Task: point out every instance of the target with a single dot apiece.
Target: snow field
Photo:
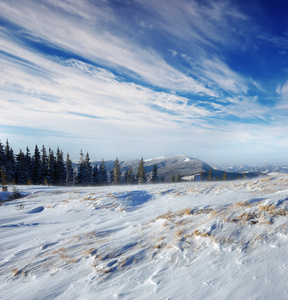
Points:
(204, 240)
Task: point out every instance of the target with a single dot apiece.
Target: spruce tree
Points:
(116, 172)
(44, 164)
(81, 170)
(60, 168)
(51, 173)
(36, 166)
(10, 163)
(88, 170)
(95, 174)
(69, 171)
(210, 174)
(141, 172)
(178, 179)
(28, 166)
(20, 168)
(2, 155)
(129, 176)
(154, 177)
(103, 178)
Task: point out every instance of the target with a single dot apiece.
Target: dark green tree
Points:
(88, 170)
(51, 168)
(95, 174)
(44, 164)
(154, 177)
(20, 168)
(28, 165)
(69, 171)
(130, 176)
(81, 169)
(36, 166)
(141, 172)
(116, 172)
(10, 163)
(210, 174)
(103, 178)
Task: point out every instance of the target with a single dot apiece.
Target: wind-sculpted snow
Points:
(217, 240)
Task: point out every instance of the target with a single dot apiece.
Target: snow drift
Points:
(204, 240)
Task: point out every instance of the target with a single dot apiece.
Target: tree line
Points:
(50, 168)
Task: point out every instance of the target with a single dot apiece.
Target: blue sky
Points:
(135, 78)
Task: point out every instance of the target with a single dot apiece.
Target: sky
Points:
(146, 78)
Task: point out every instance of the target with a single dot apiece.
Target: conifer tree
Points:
(95, 174)
(69, 171)
(154, 177)
(60, 168)
(81, 169)
(224, 176)
(116, 172)
(20, 168)
(88, 170)
(178, 179)
(141, 172)
(103, 178)
(44, 164)
(2, 155)
(36, 166)
(51, 172)
(210, 174)
(130, 176)
(28, 165)
(123, 177)
(10, 163)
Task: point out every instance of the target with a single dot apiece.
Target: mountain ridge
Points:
(181, 164)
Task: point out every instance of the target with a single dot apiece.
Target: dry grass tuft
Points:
(267, 208)
(241, 204)
(201, 233)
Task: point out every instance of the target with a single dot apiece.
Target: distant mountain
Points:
(177, 164)
(267, 168)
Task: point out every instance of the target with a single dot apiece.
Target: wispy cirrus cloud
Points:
(136, 71)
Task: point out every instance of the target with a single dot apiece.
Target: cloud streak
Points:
(166, 73)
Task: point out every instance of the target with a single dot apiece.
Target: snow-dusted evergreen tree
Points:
(95, 174)
(44, 164)
(110, 176)
(60, 168)
(178, 178)
(2, 155)
(69, 171)
(81, 169)
(10, 163)
(88, 170)
(123, 177)
(103, 176)
(51, 173)
(210, 174)
(154, 177)
(116, 172)
(36, 166)
(20, 168)
(28, 166)
(141, 172)
(130, 177)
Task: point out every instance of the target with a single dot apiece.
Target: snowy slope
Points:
(217, 240)
(172, 165)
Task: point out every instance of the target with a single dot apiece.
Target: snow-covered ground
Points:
(217, 240)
